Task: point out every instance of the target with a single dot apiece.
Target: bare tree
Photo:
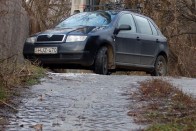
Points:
(177, 20)
(46, 13)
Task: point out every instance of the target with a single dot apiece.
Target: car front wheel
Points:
(101, 61)
(160, 67)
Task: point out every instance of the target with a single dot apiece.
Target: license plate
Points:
(46, 50)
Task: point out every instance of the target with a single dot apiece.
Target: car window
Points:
(143, 25)
(154, 30)
(127, 19)
(99, 18)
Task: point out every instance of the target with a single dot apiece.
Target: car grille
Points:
(50, 38)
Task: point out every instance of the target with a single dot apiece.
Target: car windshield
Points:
(99, 18)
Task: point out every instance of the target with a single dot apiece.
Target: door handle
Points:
(138, 38)
(157, 40)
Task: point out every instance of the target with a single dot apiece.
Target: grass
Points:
(13, 75)
(3, 93)
(35, 73)
(166, 107)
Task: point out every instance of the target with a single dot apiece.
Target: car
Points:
(102, 41)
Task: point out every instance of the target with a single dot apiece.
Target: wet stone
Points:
(77, 102)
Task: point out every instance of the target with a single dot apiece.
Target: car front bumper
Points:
(68, 53)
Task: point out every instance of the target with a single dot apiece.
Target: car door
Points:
(149, 41)
(127, 44)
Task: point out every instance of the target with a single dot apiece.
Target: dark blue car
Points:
(103, 41)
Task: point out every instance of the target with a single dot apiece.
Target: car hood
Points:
(83, 30)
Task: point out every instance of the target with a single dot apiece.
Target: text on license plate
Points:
(46, 50)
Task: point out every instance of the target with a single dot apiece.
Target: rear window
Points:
(144, 25)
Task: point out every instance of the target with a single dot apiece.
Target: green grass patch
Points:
(3, 93)
(34, 76)
(167, 108)
(13, 74)
(173, 127)
(165, 127)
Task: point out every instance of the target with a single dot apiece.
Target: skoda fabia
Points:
(102, 41)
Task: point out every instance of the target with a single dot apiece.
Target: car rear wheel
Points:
(160, 67)
(101, 61)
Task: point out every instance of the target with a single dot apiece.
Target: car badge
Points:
(49, 35)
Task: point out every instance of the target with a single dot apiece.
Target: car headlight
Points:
(75, 38)
(31, 40)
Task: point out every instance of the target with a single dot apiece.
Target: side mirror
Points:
(76, 12)
(122, 27)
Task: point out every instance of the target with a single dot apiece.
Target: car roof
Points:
(116, 12)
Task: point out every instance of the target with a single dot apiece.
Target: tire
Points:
(160, 68)
(101, 62)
